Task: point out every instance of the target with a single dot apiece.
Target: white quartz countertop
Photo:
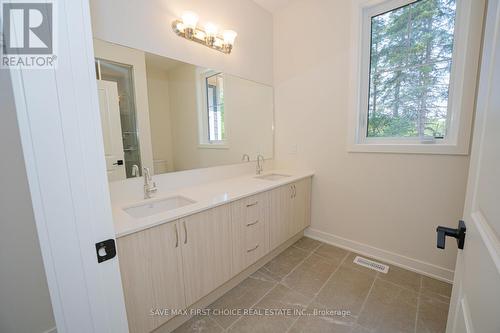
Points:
(206, 196)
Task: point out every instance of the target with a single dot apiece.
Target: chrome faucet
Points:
(245, 158)
(260, 168)
(149, 184)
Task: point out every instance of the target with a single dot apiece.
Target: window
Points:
(410, 65)
(212, 118)
(413, 61)
(215, 107)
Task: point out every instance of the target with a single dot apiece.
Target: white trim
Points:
(464, 304)
(52, 330)
(415, 265)
(431, 149)
(213, 145)
(462, 83)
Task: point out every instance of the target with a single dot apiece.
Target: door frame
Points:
(61, 136)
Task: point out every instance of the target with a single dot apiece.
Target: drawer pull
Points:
(185, 232)
(252, 204)
(176, 236)
(252, 223)
(254, 248)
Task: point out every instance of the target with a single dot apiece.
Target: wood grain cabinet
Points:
(280, 214)
(300, 206)
(290, 210)
(206, 251)
(250, 227)
(152, 277)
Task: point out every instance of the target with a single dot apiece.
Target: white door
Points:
(58, 117)
(111, 129)
(475, 302)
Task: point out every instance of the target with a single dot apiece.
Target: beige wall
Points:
(392, 202)
(159, 116)
(250, 118)
(24, 296)
(146, 25)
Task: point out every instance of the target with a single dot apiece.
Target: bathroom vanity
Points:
(173, 258)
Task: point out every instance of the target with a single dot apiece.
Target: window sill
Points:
(421, 148)
(213, 146)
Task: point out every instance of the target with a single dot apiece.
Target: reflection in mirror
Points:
(115, 84)
(170, 116)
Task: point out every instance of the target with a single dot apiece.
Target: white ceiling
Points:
(272, 5)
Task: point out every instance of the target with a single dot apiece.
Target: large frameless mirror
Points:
(170, 116)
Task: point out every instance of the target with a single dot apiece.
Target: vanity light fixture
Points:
(209, 36)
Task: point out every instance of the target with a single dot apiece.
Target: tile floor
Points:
(311, 278)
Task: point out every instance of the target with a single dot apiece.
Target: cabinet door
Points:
(250, 227)
(280, 214)
(301, 206)
(151, 270)
(206, 251)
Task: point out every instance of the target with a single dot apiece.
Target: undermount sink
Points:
(158, 206)
(273, 176)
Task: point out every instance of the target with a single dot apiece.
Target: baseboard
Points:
(411, 264)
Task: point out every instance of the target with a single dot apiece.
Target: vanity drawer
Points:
(250, 218)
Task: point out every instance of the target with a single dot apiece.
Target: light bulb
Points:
(211, 29)
(229, 37)
(189, 20)
(180, 26)
(210, 33)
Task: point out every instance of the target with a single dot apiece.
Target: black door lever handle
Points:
(458, 233)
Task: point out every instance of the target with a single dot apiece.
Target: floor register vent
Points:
(371, 264)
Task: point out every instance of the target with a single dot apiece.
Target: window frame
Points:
(204, 141)
(468, 30)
